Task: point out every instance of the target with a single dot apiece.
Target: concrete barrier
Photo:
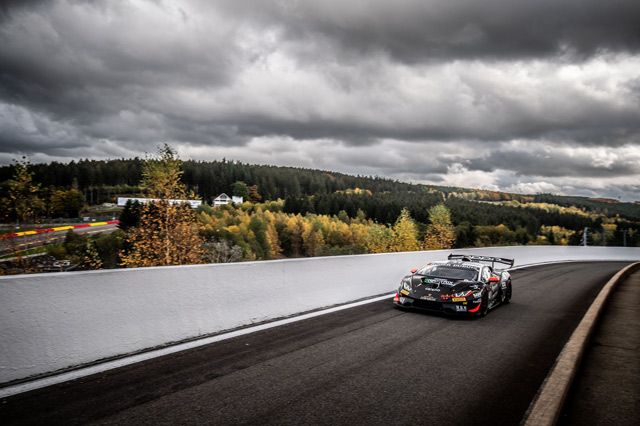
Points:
(56, 322)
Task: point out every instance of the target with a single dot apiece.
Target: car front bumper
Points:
(437, 305)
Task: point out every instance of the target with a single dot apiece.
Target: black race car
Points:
(465, 284)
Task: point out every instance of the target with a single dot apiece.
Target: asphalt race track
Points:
(369, 365)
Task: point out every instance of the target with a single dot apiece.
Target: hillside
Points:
(480, 217)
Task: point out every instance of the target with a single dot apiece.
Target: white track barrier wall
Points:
(58, 321)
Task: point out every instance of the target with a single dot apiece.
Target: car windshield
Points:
(450, 272)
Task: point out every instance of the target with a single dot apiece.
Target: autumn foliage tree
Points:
(167, 231)
(405, 233)
(22, 203)
(67, 203)
(440, 233)
(379, 239)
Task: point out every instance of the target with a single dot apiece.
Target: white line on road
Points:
(128, 360)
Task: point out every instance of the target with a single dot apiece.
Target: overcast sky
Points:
(520, 96)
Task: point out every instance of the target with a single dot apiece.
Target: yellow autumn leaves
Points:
(167, 233)
(174, 234)
(318, 235)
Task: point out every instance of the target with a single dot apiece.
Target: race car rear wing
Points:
(474, 258)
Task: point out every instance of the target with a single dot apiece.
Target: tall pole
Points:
(584, 236)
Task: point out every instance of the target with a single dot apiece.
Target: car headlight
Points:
(463, 293)
(406, 285)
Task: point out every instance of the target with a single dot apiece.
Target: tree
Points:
(222, 252)
(167, 233)
(405, 233)
(261, 248)
(440, 233)
(240, 189)
(254, 196)
(22, 203)
(161, 176)
(67, 203)
(312, 237)
(130, 215)
(379, 239)
(465, 235)
(91, 259)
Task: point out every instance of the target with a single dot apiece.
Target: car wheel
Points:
(484, 308)
(507, 293)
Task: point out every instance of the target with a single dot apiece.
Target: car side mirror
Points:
(494, 279)
(413, 271)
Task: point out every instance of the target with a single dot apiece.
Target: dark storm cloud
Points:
(417, 30)
(7, 7)
(102, 59)
(411, 88)
(80, 53)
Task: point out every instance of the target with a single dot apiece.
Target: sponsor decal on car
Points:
(477, 295)
(464, 265)
(438, 281)
(458, 299)
(405, 292)
(460, 308)
(429, 298)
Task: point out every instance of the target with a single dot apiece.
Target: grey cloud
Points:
(96, 68)
(552, 163)
(416, 30)
(63, 58)
(446, 81)
(9, 7)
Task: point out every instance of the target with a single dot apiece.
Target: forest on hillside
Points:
(290, 212)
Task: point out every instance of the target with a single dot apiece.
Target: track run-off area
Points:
(373, 364)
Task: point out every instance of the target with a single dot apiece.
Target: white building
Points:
(225, 199)
(193, 203)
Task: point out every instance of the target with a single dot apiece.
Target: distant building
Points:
(223, 199)
(193, 203)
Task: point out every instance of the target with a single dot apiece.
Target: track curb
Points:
(60, 228)
(546, 407)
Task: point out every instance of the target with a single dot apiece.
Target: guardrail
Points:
(57, 322)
